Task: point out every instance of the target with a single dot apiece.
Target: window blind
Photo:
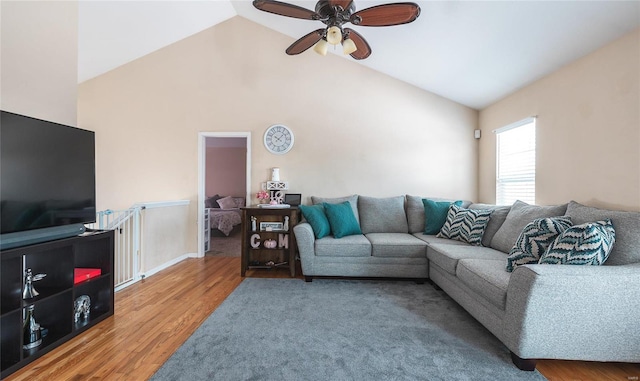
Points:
(516, 162)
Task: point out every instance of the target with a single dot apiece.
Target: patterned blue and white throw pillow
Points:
(466, 225)
(534, 240)
(586, 244)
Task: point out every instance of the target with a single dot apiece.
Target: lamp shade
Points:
(321, 47)
(348, 46)
(334, 35)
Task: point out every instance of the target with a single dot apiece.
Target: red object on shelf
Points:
(81, 274)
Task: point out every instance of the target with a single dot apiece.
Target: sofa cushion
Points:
(315, 216)
(415, 211)
(534, 240)
(498, 216)
(586, 244)
(350, 246)
(382, 215)
(627, 226)
(341, 219)
(431, 239)
(465, 225)
(396, 245)
(486, 277)
(435, 214)
(519, 216)
(447, 256)
(353, 200)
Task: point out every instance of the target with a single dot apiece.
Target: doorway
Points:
(216, 153)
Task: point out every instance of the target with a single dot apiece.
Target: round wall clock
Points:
(278, 139)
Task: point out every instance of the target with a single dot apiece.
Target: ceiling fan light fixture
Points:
(348, 46)
(334, 35)
(321, 47)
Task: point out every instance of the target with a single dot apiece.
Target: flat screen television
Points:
(47, 180)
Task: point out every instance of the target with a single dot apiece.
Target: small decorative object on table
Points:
(293, 199)
(31, 334)
(253, 223)
(30, 292)
(262, 196)
(271, 226)
(275, 174)
(270, 244)
(82, 306)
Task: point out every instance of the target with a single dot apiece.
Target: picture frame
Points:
(293, 199)
(271, 226)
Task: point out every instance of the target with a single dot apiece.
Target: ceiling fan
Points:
(334, 14)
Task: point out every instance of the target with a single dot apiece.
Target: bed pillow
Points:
(316, 217)
(435, 214)
(239, 201)
(586, 244)
(227, 203)
(341, 219)
(535, 239)
(466, 225)
(211, 202)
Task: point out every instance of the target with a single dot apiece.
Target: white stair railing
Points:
(127, 233)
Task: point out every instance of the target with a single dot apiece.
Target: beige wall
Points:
(165, 235)
(588, 130)
(356, 130)
(39, 59)
(225, 171)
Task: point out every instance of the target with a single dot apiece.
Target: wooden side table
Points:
(262, 227)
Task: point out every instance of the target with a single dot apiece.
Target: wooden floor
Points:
(155, 316)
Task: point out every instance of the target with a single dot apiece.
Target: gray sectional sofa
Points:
(538, 311)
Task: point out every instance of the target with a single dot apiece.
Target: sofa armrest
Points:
(306, 246)
(574, 312)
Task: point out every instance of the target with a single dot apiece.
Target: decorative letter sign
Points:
(283, 240)
(255, 241)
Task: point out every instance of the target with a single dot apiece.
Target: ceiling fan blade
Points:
(386, 15)
(305, 42)
(345, 4)
(364, 50)
(285, 9)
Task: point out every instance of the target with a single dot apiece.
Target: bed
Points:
(227, 215)
(224, 219)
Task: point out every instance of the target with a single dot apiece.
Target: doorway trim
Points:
(202, 156)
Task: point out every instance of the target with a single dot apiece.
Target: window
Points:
(516, 162)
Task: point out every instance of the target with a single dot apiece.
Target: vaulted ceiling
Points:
(472, 52)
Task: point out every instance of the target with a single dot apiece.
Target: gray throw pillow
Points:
(382, 215)
(518, 217)
(495, 222)
(627, 226)
(353, 200)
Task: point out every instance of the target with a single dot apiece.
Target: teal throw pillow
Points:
(435, 214)
(341, 219)
(585, 244)
(315, 216)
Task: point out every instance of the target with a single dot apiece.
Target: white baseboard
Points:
(156, 269)
(168, 264)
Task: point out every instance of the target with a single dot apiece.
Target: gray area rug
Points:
(287, 329)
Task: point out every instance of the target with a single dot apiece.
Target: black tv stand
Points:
(54, 306)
